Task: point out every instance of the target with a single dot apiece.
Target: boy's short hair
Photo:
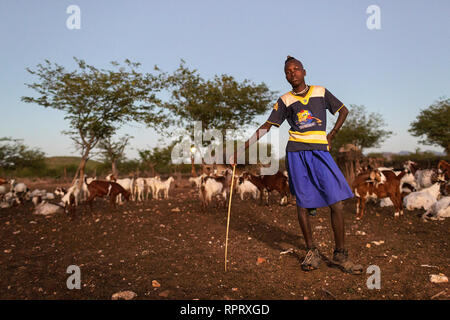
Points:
(289, 58)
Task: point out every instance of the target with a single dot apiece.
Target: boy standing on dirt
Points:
(314, 177)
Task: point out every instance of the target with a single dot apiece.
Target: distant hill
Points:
(61, 162)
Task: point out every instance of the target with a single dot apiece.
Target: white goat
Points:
(424, 178)
(45, 208)
(423, 198)
(40, 193)
(151, 186)
(408, 178)
(439, 210)
(197, 181)
(245, 186)
(163, 186)
(213, 186)
(72, 191)
(127, 184)
(9, 200)
(19, 189)
(139, 188)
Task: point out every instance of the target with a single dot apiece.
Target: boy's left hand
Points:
(330, 137)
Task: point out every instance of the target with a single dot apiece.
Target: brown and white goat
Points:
(98, 188)
(268, 183)
(378, 184)
(424, 177)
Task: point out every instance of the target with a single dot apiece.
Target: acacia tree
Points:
(96, 102)
(221, 103)
(433, 125)
(362, 129)
(113, 151)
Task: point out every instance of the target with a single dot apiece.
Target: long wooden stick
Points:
(228, 220)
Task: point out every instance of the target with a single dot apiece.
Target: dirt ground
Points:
(171, 249)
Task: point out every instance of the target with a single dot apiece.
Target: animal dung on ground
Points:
(124, 295)
(438, 278)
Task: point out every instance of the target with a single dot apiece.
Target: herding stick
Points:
(228, 220)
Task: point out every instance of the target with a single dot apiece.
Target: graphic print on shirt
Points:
(305, 119)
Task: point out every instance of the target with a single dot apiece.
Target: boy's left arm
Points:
(343, 112)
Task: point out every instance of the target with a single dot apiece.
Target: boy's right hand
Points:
(233, 159)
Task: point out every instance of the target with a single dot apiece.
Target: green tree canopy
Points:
(432, 125)
(157, 159)
(96, 102)
(219, 103)
(362, 129)
(14, 155)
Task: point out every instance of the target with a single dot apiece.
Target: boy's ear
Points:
(304, 72)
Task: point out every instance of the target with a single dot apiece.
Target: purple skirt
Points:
(315, 179)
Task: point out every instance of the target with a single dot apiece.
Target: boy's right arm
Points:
(260, 132)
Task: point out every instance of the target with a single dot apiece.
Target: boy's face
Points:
(295, 74)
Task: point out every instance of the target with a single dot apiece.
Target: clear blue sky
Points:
(396, 71)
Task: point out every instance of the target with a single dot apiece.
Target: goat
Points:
(139, 188)
(60, 192)
(424, 177)
(72, 196)
(197, 180)
(13, 201)
(151, 185)
(213, 186)
(127, 184)
(42, 193)
(438, 210)
(45, 208)
(378, 184)
(98, 188)
(268, 183)
(163, 186)
(245, 186)
(423, 198)
(19, 189)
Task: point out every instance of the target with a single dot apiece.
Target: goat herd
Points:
(409, 187)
